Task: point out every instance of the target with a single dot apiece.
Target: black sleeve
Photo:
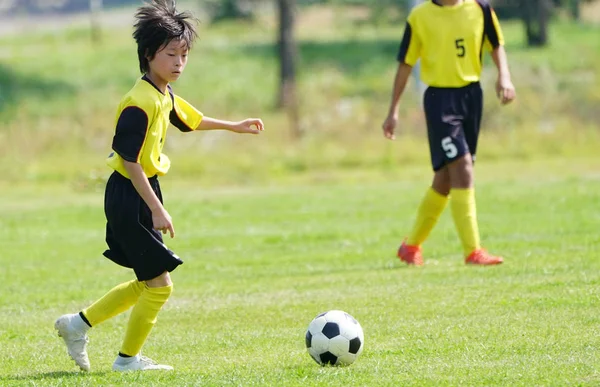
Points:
(489, 28)
(130, 133)
(174, 118)
(405, 43)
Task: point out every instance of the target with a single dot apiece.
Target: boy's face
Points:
(169, 61)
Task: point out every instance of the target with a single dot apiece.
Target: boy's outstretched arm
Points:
(249, 125)
(505, 90)
(402, 75)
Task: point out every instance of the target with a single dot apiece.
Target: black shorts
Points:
(132, 241)
(453, 120)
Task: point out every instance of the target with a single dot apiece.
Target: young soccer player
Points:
(133, 201)
(449, 37)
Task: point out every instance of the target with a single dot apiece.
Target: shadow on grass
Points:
(351, 56)
(50, 375)
(16, 87)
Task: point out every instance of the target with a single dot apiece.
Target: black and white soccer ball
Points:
(334, 338)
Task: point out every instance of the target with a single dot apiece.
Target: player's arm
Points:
(130, 134)
(402, 74)
(187, 118)
(505, 89)
(249, 125)
(161, 220)
(408, 54)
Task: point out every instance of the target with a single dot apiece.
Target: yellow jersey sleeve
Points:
(184, 116)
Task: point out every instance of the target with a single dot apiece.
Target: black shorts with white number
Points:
(453, 120)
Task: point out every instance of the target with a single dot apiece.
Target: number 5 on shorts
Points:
(449, 147)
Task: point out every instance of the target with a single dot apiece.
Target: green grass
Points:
(262, 260)
(274, 231)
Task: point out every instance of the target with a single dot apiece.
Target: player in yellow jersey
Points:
(449, 36)
(133, 201)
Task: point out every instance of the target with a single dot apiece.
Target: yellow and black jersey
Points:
(142, 120)
(450, 40)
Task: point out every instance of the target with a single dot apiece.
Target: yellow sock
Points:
(464, 212)
(432, 206)
(116, 301)
(143, 317)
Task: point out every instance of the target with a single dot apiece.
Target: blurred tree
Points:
(229, 9)
(506, 9)
(288, 53)
(574, 6)
(536, 14)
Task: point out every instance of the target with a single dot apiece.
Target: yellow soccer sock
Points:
(143, 317)
(464, 212)
(116, 301)
(432, 206)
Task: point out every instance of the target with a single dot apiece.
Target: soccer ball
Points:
(334, 338)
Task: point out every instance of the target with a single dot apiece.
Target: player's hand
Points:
(249, 125)
(161, 221)
(389, 125)
(505, 90)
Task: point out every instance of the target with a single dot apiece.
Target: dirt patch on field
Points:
(591, 12)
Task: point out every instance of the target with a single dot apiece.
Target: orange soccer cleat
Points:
(410, 254)
(482, 257)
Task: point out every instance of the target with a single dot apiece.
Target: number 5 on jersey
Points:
(460, 47)
(449, 147)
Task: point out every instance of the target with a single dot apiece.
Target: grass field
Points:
(261, 261)
(274, 231)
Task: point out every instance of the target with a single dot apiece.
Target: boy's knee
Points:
(441, 182)
(161, 281)
(461, 172)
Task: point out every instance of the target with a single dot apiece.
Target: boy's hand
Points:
(389, 125)
(161, 221)
(505, 90)
(249, 125)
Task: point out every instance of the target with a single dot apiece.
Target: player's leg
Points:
(116, 301)
(441, 181)
(462, 192)
(119, 223)
(121, 297)
(431, 207)
(73, 327)
(143, 317)
(436, 197)
(464, 213)
(152, 267)
(462, 202)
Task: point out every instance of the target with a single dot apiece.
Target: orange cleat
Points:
(410, 254)
(482, 257)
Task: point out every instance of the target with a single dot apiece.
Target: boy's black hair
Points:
(157, 24)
